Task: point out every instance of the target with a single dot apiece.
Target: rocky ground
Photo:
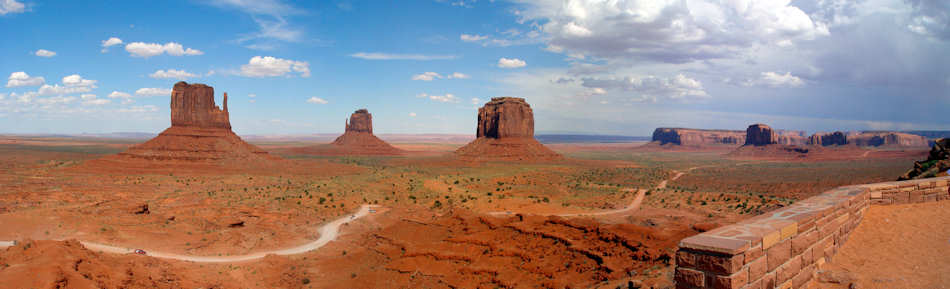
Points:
(433, 219)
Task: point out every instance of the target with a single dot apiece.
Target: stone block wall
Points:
(785, 247)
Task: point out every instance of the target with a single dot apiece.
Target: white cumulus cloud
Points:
(11, 6)
(448, 97)
(152, 91)
(44, 53)
(146, 50)
(267, 66)
(75, 80)
(511, 63)
(412, 114)
(316, 100)
(773, 79)
(171, 73)
(472, 38)
(119, 94)
(20, 78)
(110, 42)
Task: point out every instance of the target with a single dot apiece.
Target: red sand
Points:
(898, 246)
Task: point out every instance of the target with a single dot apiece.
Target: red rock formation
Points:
(358, 138)
(790, 137)
(506, 131)
(193, 105)
(759, 135)
(895, 139)
(360, 121)
(200, 131)
(828, 139)
(697, 137)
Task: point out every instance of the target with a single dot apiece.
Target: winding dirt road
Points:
(633, 206)
(328, 232)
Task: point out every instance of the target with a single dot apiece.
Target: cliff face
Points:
(937, 163)
(505, 117)
(200, 131)
(357, 139)
(506, 132)
(697, 137)
(887, 139)
(192, 105)
(360, 121)
(760, 135)
(828, 139)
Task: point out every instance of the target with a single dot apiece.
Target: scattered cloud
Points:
(139, 109)
(648, 88)
(271, 19)
(20, 78)
(671, 31)
(316, 100)
(773, 79)
(119, 94)
(430, 76)
(268, 66)
(476, 101)
(472, 38)
(426, 76)
(930, 18)
(91, 99)
(151, 91)
(412, 114)
(110, 42)
(448, 97)
(174, 74)
(396, 56)
(11, 6)
(146, 50)
(75, 80)
(45, 53)
(458, 75)
(511, 63)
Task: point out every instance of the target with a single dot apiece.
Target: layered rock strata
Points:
(358, 137)
(697, 137)
(200, 131)
(506, 132)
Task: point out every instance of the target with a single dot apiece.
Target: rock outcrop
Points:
(697, 137)
(760, 135)
(828, 139)
(937, 163)
(358, 138)
(360, 121)
(893, 139)
(193, 106)
(506, 132)
(200, 131)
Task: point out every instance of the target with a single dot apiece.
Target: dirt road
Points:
(328, 232)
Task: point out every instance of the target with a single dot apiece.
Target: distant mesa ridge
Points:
(765, 135)
(506, 132)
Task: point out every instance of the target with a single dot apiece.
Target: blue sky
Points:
(609, 67)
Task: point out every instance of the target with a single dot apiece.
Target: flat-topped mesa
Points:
(360, 121)
(828, 139)
(887, 138)
(193, 105)
(504, 117)
(697, 137)
(760, 135)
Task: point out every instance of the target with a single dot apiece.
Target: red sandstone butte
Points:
(759, 135)
(828, 139)
(200, 131)
(506, 132)
(358, 137)
(888, 139)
